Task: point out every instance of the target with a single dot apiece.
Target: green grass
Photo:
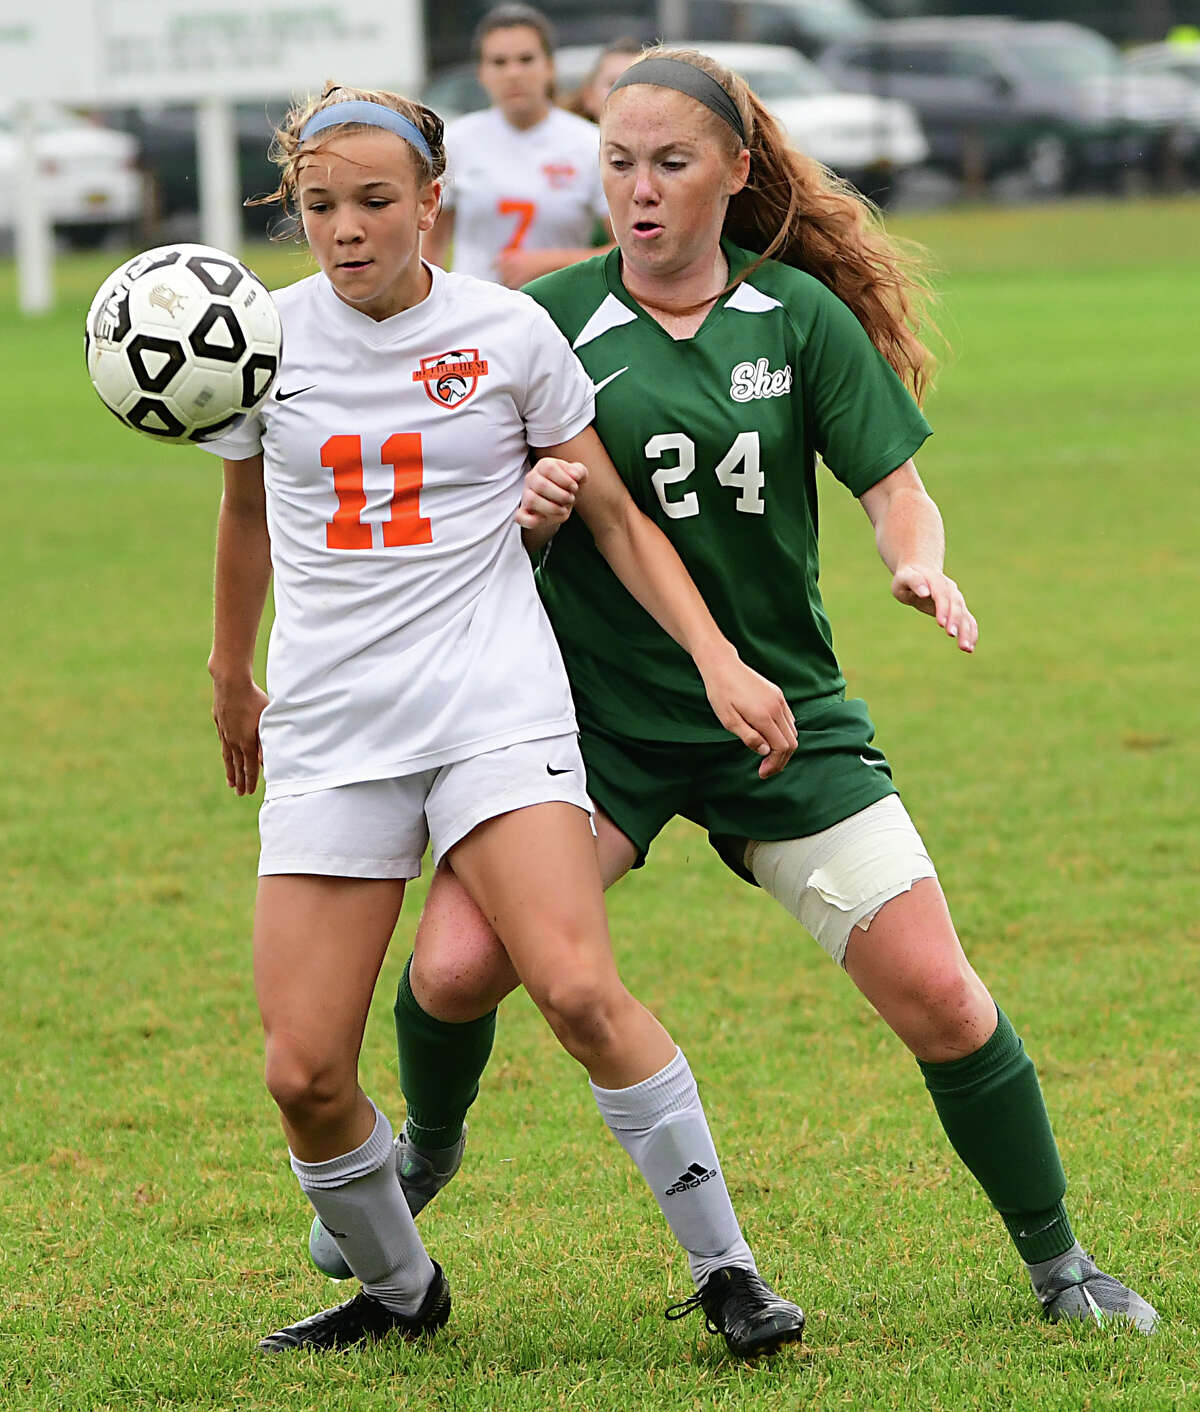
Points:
(149, 1228)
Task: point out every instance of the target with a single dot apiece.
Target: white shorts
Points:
(379, 828)
(838, 879)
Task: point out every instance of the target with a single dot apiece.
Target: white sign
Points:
(181, 51)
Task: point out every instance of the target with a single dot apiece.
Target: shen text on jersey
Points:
(749, 381)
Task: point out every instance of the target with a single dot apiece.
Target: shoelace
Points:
(685, 1307)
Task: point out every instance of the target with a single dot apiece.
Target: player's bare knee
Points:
(585, 1012)
(454, 991)
(307, 1087)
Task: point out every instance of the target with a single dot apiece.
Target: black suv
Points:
(998, 95)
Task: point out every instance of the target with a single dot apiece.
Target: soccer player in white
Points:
(523, 193)
(416, 692)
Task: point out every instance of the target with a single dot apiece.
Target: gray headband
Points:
(685, 78)
(359, 110)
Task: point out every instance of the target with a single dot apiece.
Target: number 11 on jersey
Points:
(405, 524)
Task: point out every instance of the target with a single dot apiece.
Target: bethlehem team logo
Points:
(559, 175)
(450, 378)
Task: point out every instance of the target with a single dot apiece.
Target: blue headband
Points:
(370, 115)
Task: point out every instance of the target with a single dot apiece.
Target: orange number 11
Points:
(406, 525)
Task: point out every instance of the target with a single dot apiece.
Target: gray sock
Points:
(360, 1203)
(661, 1124)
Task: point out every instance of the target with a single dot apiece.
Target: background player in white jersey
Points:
(417, 694)
(522, 193)
(610, 64)
(721, 376)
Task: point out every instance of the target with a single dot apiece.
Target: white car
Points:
(91, 183)
(862, 137)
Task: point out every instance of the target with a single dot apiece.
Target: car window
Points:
(871, 58)
(923, 60)
(784, 80)
(456, 92)
(968, 63)
(1089, 56)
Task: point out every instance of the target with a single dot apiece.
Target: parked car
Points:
(89, 174)
(866, 139)
(807, 25)
(997, 95)
(167, 135)
(1176, 59)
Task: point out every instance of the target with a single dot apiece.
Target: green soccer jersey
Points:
(717, 438)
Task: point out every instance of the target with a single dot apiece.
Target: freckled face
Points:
(667, 178)
(364, 207)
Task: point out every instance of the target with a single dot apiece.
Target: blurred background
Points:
(920, 103)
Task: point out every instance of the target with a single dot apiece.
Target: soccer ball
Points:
(182, 342)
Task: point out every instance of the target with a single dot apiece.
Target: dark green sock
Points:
(991, 1107)
(440, 1067)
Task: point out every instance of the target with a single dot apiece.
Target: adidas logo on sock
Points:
(690, 1179)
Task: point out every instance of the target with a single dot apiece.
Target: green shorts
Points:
(642, 784)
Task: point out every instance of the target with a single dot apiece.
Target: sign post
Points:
(216, 154)
(33, 233)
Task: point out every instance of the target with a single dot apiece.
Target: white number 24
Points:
(740, 468)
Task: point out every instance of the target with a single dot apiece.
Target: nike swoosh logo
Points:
(599, 386)
(865, 761)
(281, 396)
(550, 770)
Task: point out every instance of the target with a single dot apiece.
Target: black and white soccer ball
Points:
(183, 342)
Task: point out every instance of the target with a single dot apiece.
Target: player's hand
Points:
(517, 267)
(930, 591)
(549, 494)
(753, 708)
(236, 710)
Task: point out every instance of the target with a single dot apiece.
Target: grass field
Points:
(149, 1228)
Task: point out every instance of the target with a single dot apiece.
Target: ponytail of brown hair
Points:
(794, 210)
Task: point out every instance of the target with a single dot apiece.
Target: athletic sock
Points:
(661, 1124)
(440, 1067)
(360, 1203)
(991, 1107)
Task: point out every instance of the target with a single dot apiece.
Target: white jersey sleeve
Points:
(408, 632)
(560, 400)
(241, 443)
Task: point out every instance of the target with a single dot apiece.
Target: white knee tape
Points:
(838, 879)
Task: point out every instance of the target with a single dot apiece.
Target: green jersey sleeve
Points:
(861, 419)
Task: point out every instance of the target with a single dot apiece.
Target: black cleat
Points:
(743, 1307)
(364, 1319)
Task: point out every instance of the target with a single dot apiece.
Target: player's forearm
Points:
(645, 561)
(909, 531)
(240, 583)
(535, 540)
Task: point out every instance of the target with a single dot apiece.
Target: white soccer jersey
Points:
(537, 188)
(408, 632)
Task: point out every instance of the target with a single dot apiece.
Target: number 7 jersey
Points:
(408, 632)
(717, 438)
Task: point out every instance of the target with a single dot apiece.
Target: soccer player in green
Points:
(720, 377)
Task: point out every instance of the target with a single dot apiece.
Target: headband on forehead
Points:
(358, 110)
(685, 78)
